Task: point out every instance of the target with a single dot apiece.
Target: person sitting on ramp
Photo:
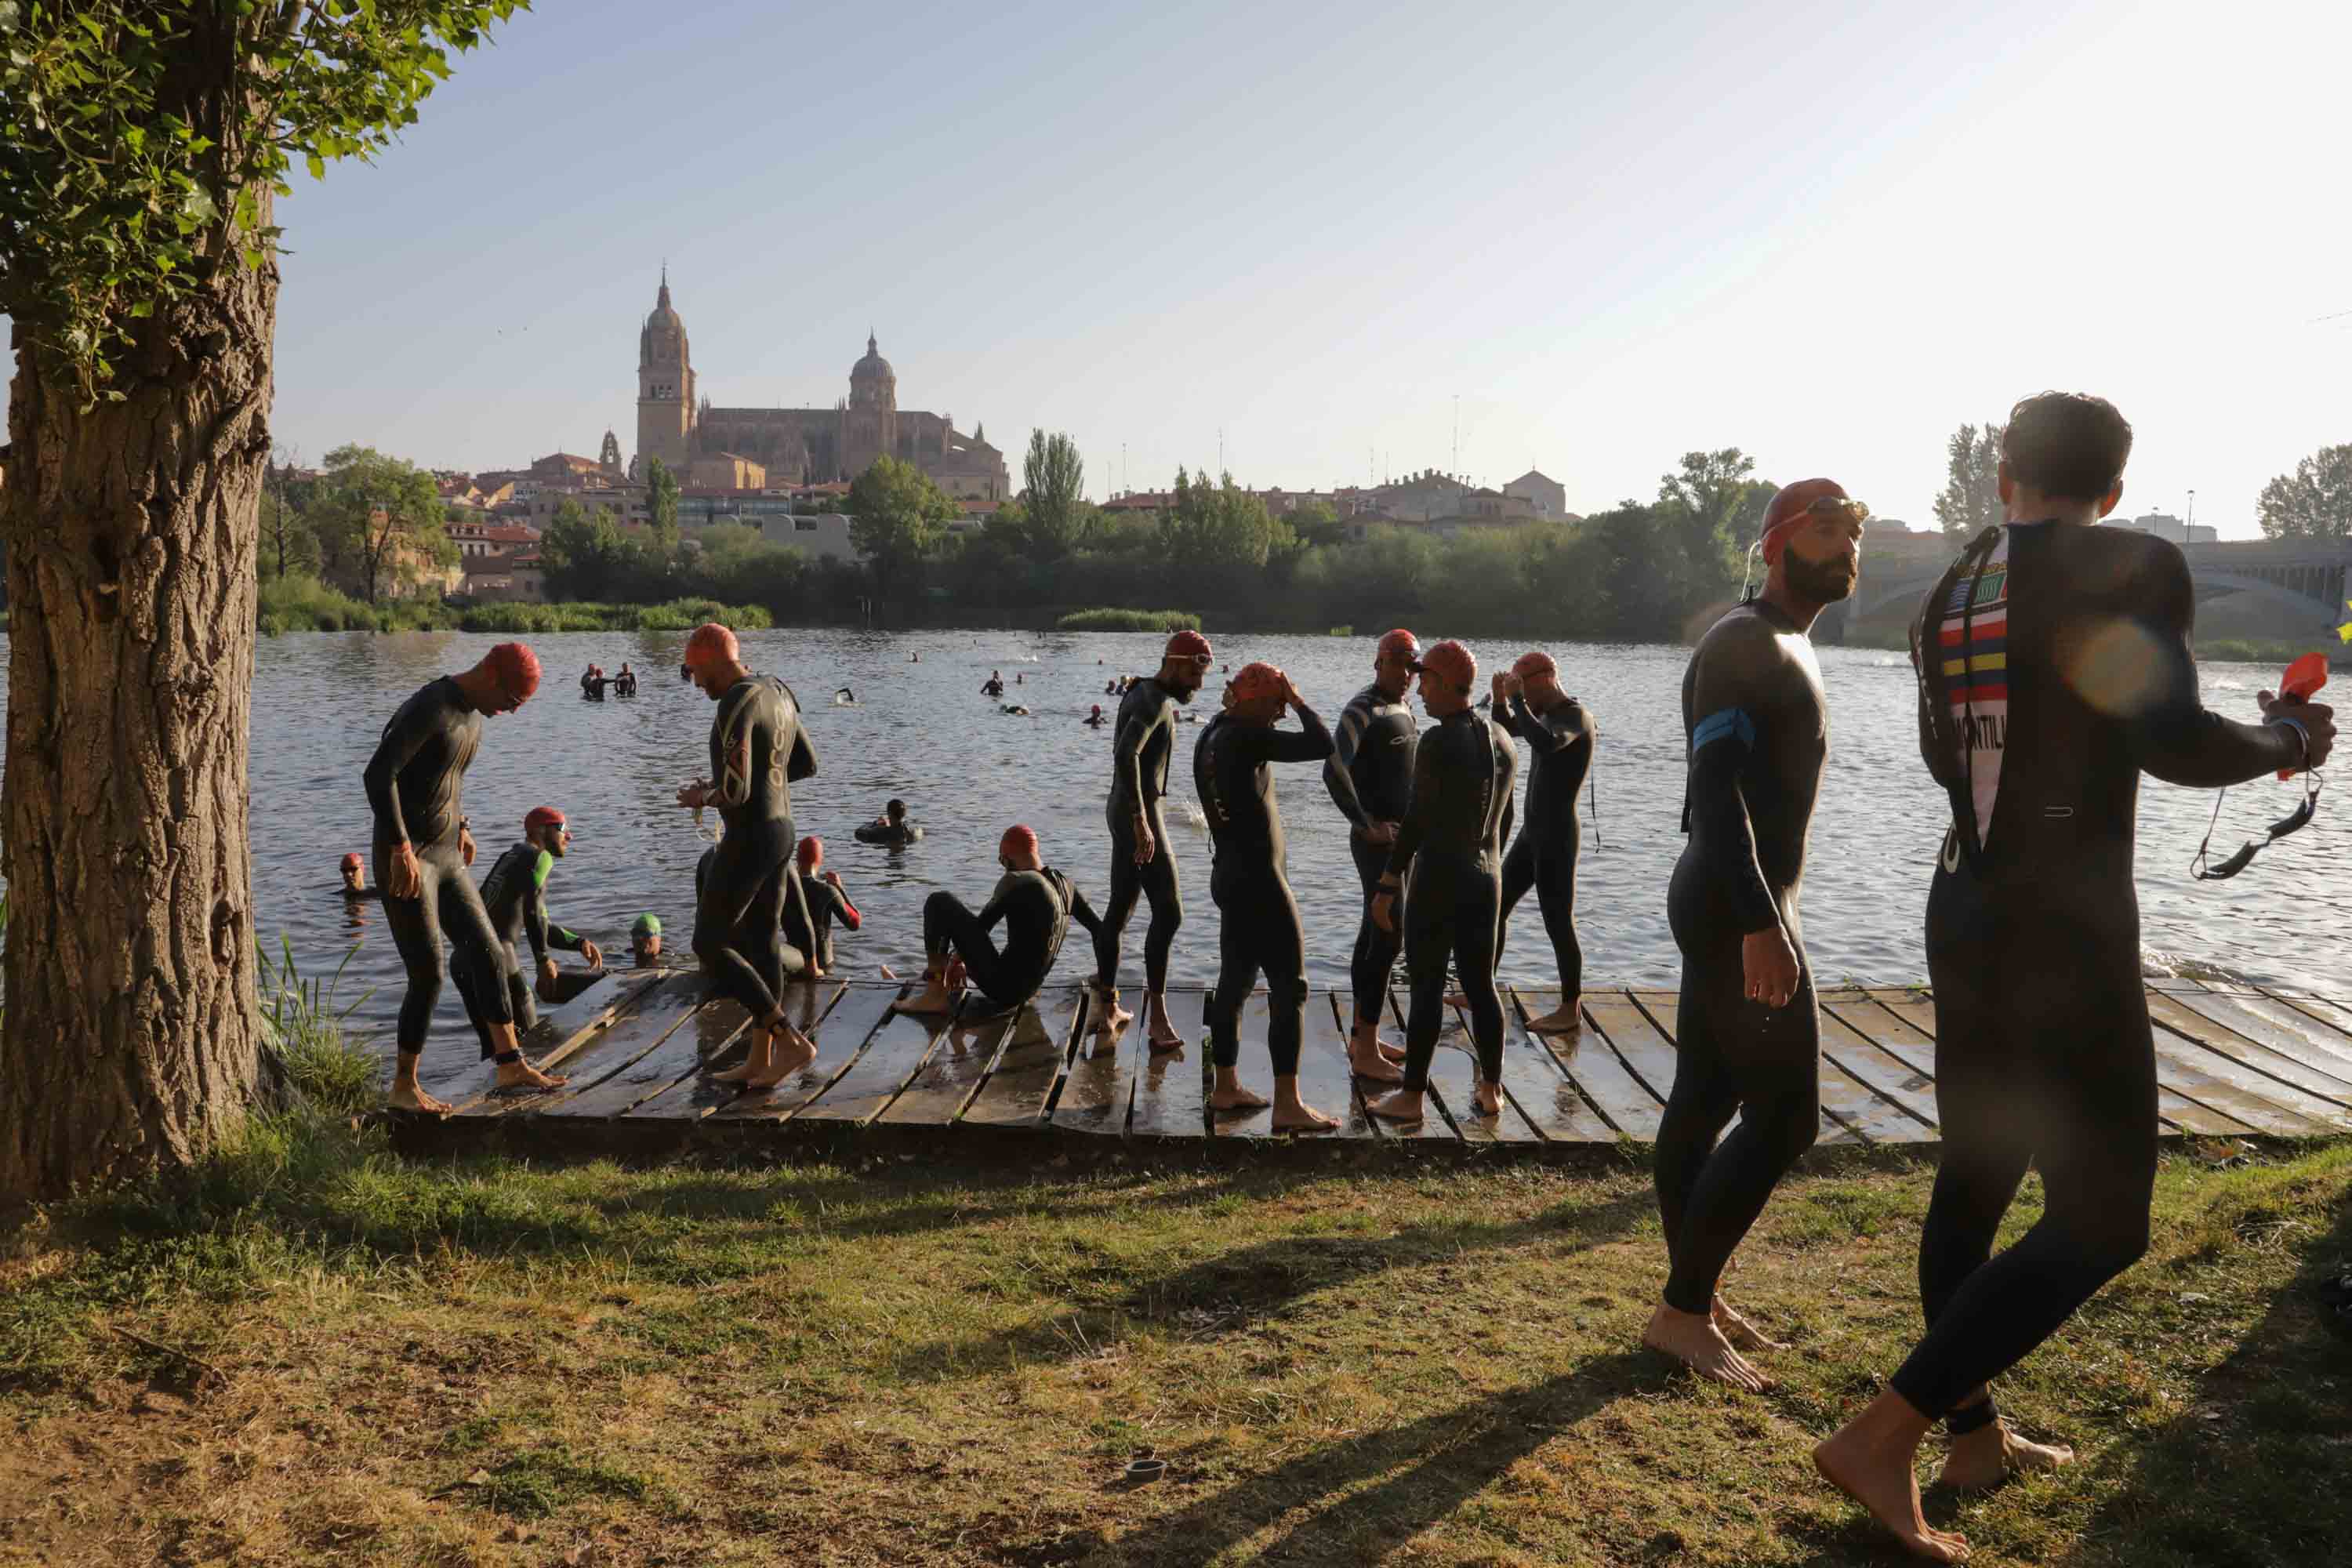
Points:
(1035, 904)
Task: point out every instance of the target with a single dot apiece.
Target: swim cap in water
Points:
(1792, 506)
(1258, 680)
(541, 817)
(647, 925)
(1399, 641)
(1019, 839)
(1534, 661)
(352, 862)
(710, 644)
(516, 668)
(1189, 644)
(811, 853)
(1451, 663)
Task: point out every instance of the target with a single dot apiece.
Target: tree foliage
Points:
(2312, 503)
(1970, 501)
(379, 522)
(661, 502)
(894, 517)
(1054, 512)
(138, 142)
(1221, 527)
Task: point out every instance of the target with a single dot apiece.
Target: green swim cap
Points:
(647, 925)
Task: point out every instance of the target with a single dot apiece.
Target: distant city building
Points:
(725, 471)
(1543, 492)
(796, 446)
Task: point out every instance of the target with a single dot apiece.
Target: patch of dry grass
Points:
(489, 1363)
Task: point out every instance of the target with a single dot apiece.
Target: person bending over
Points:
(1370, 777)
(1142, 860)
(1451, 842)
(2055, 670)
(415, 787)
(808, 922)
(1034, 902)
(1748, 1040)
(515, 894)
(1257, 918)
(758, 750)
(1559, 734)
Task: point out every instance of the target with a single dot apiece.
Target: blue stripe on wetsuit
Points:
(1732, 721)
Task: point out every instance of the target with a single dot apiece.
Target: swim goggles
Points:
(2294, 821)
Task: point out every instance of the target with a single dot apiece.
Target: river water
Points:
(922, 731)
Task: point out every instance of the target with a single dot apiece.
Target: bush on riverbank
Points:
(2270, 650)
(677, 616)
(294, 604)
(1128, 621)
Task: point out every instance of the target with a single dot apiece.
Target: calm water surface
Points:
(922, 731)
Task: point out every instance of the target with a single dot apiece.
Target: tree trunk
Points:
(130, 1035)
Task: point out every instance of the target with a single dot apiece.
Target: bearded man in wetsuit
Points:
(757, 751)
(1559, 734)
(2055, 670)
(1258, 927)
(515, 893)
(1034, 902)
(415, 787)
(1451, 845)
(1370, 777)
(1142, 860)
(1749, 1038)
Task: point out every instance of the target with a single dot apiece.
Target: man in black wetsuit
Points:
(1559, 734)
(994, 685)
(1749, 1039)
(808, 921)
(1036, 904)
(1257, 918)
(515, 894)
(1451, 842)
(757, 751)
(625, 683)
(1142, 860)
(2055, 670)
(1370, 777)
(415, 788)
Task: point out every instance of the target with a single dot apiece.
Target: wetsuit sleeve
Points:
(1127, 759)
(555, 935)
(1084, 912)
(1428, 802)
(1544, 734)
(1310, 743)
(802, 764)
(733, 763)
(2175, 736)
(849, 915)
(534, 905)
(403, 739)
(1338, 775)
(1729, 719)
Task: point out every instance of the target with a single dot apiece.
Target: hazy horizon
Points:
(1826, 233)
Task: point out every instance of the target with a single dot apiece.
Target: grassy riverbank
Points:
(320, 1353)
(304, 604)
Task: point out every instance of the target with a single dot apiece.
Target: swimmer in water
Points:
(645, 940)
(415, 786)
(592, 683)
(354, 884)
(994, 685)
(890, 828)
(845, 697)
(1016, 709)
(625, 683)
(1094, 721)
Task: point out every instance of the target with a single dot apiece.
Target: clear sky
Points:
(1825, 232)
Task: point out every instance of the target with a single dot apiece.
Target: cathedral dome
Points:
(664, 336)
(873, 367)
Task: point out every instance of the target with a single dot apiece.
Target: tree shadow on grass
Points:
(1355, 1502)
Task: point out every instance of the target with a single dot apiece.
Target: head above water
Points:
(1185, 664)
(1812, 542)
(896, 811)
(1393, 663)
(713, 659)
(2063, 456)
(503, 680)
(1017, 850)
(1448, 670)
(645, 938)
(355, 871)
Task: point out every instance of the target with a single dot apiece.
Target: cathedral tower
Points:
(869, 426)
(664, 387)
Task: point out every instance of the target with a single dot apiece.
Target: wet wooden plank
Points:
(1100, 1083)
(1912, 1005)
(895, 1052)
(1906, 1113)
(693, 1095)
(1539, 1087)
(598, 1054)
(460, 1075)
(966, 1054)
(2275, 1023)
(1325, 1079)
(2333, 1012)
(1849, 1113)
(1433, 1126)
(2169, 1013)
(1251, 1030)
(1595, 1070)
(715, 1033)
(2197, 1074)
(1453, 1074)
(840, 1036)
(1029, 1070)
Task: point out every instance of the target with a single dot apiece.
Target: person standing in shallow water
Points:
(415, 788)
(1748, 1040)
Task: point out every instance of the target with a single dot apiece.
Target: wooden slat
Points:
(560, 1033)
(1454, 1074)
(1325, 1080)
(840, 1036)
(1849, 1113)
(1100, 1083)
(1539, 1087)
(1250, 1028)
(1596, 1070)
(595, 1054)
(1036, 1049)
(1434, 1125)
(958, 1068)
(2195, 1073)
(2167, 1012)
(716, 1031)
(894, 1053)
(2275, 1024)
(1908, 1114)
(2327, 1010)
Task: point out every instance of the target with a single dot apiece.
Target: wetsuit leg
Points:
(475, 951)
(1477, 927)
(1167, 908)
(950, 926)
(1125, 887)
(1730, 1053)
(1258, 930)
(738, 924)
(416, 929)
(1155, 882)
(1519, 876)
(1283, 955)
(1376, 949)
(473, 1014)
(2046, 1054)
(1428, 946)
(1239, 945)
(1555, 879)
(520, 1000)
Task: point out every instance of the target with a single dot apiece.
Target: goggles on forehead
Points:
(1827, 505)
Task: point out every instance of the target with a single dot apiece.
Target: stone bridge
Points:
(2298, 585)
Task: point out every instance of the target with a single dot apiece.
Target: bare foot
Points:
(410, 1096)
(1373, 1065)
(1488, 1098)
(1404, 1105)
(1456, 999)
(1692, 1338)
(520, 1074)
(1743, 1334)
(1114, 1020)
(1565, 1019)
(1989, 1454)
(934, 997)
(1234, 1096)
(789, 1051)
(737, 1074)
(1393, 1053)
(1880, 1479)
(1164, 1036)
(1295, 1115)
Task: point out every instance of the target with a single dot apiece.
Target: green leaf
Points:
(318, 165)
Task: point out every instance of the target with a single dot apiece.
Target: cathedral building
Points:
(800, 446)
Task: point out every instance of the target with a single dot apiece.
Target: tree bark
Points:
(131, 1039)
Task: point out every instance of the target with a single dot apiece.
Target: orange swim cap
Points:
(1790, 507)
(1019, 839)
(811, 853)
(516, 668)
(1188, 645)
(1258, 680)
(1451, 663)
(541, 817)
(710, 644)
(352, 861)
(1399, 641)
(1534, 661)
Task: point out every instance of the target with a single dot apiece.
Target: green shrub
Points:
(1128, 621)
(677, 616)
(295, 604)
